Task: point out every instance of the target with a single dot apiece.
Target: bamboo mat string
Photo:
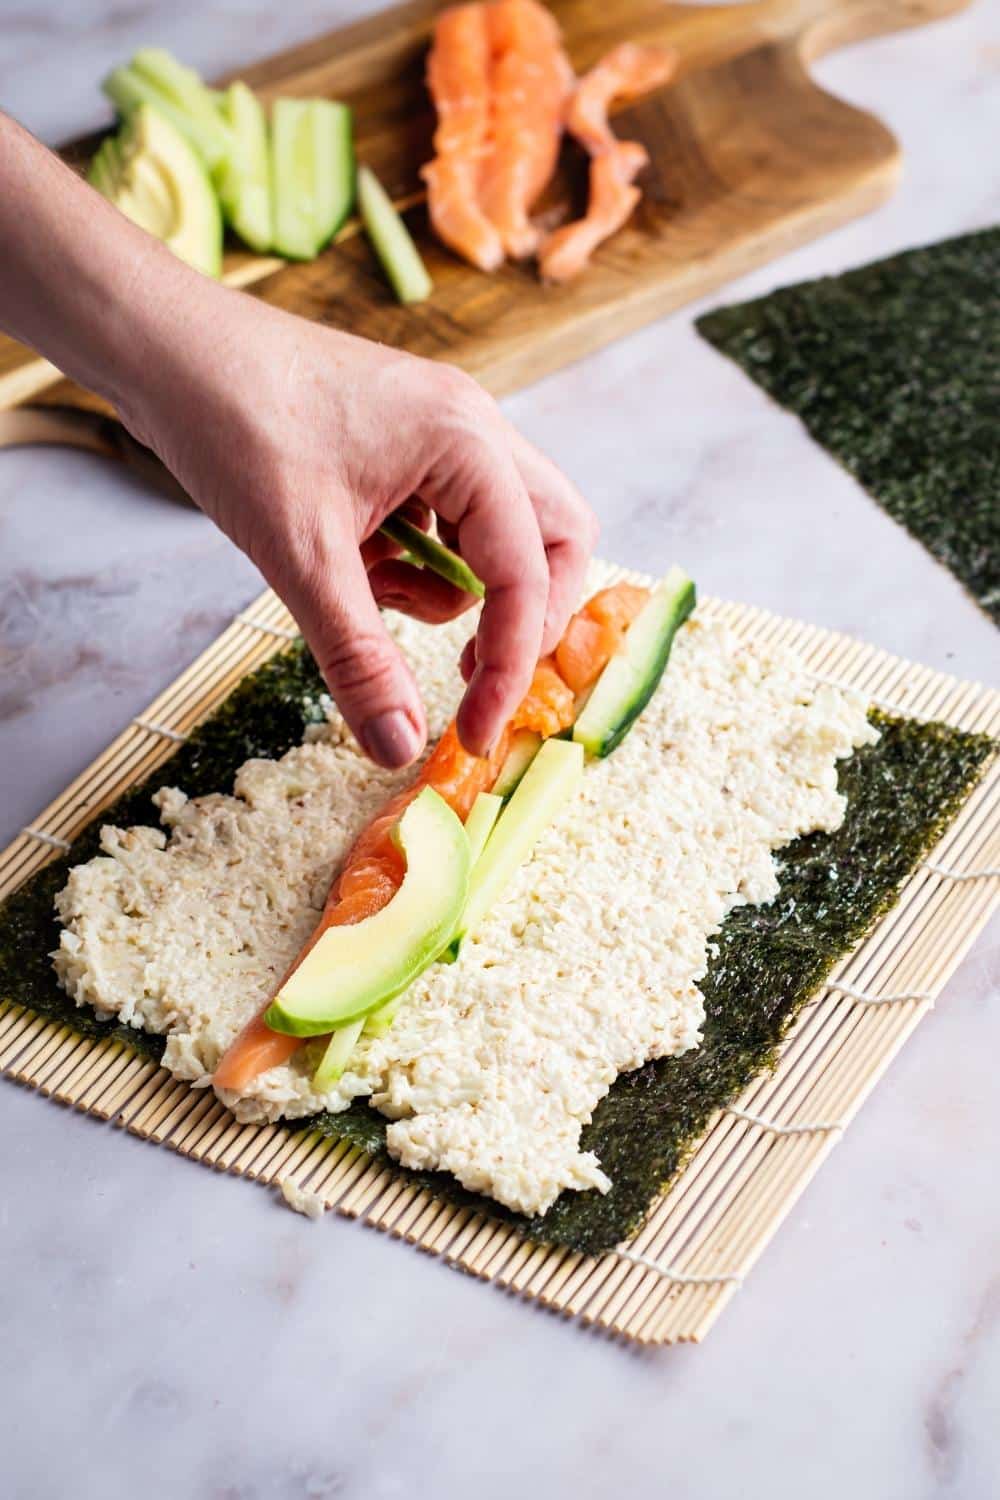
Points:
(276, 630)
(161, 730)
(821, 1127)
(863, 998)
(670, 1273)
(47, 838)
(946, 874)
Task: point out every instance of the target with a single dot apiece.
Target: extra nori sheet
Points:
(770, 960)
(895, 368)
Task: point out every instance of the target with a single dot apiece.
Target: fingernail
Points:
(391, 739)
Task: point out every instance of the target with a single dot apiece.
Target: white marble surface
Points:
(170, 1333)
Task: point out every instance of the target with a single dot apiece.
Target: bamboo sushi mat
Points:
(669, 1282)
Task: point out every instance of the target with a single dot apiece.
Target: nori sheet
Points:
(895, 369)
(900, 792)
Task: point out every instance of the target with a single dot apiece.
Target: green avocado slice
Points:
(153, 175)
(353, 970)
(633, 674)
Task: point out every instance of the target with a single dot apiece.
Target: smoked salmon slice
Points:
(626, 72)
(459, 77)
(373, 870)
(531, 83)
(595, 632)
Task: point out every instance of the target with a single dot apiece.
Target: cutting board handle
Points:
(819, 26)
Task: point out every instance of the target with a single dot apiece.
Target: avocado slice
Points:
(312, 173)
(196, 118)
(244, 180)
(392, 240)
(152, 174)
(353, 970)
(552, 780)
(632, 675)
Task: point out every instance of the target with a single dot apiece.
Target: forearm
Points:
(81, 284)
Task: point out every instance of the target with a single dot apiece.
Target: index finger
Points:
(499, 538)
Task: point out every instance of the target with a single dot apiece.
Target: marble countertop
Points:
(173, 1333)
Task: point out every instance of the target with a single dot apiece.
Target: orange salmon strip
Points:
(595, 633)
(458, 76)
(531, 83)
(373, 870)
(626, 72)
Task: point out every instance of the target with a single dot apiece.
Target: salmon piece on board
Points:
(459, 78)
(626, 72)
(531, 83)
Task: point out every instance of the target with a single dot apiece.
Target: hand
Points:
(299, 441)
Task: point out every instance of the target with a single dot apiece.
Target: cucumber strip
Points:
(337, 1055)
(378, 1023)
(524, 747)
(479, 824)
(293, 174)
(312, 172)
(128, 89)
(333, 137)
(432, 554)
(392, 241)
(551, 780)
(245, 180)
(180, 85)
(632, 675)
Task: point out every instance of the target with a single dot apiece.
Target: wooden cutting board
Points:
(749, 158)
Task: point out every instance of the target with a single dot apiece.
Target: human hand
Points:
(299, 441)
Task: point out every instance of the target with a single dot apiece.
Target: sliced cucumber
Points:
(427, 552)
(312, 173)
(523, 749)
(181, 86)
(392, 240)
(336, 186)
(631, 676)
(378, 1023)
(245, 179)
(337, 1055)
(208, 134)
(479, 824)
(551, 781)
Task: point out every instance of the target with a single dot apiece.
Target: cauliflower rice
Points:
(587, 968)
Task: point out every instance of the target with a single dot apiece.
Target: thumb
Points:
(361, 665)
